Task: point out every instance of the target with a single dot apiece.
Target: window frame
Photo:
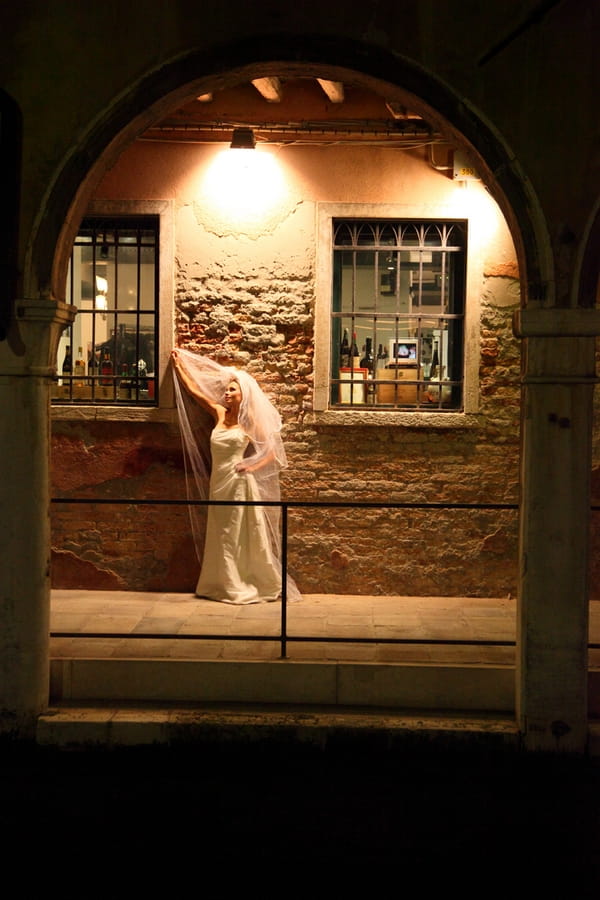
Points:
(163, 409)
(324, 411)
(364, 252)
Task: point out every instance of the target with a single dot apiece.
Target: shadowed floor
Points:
(250, 811)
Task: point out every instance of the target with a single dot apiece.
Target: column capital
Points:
(32, 342)
(556, 322)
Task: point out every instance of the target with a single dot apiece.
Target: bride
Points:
(241, 558)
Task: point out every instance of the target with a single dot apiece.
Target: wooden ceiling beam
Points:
(270, 88)
(399, 111)
(333, 89)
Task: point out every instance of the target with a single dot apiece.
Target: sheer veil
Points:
(259, 420)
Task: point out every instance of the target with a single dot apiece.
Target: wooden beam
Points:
(333, 89)
(270, 88)
(397, 109)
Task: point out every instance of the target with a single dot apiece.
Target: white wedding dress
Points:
(238, 564)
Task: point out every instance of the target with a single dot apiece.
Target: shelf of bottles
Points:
(99, 378)
(108, 355)
(397, 320)
(413, 366)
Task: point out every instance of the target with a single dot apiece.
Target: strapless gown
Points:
(238, 564)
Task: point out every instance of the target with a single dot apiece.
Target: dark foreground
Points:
(283, 819)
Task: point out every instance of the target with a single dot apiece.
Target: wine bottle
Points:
(67, 366)
(345, 351)
(435, 362)
(367, 360)
(134, 380)
(79, 369)
(354, 354)
(106, 368)
(91, 367)
(124, 382)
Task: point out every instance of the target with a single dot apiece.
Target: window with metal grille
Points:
(109, 355)
(397, 320)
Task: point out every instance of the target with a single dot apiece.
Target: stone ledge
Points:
(382, 418)
(137, 725)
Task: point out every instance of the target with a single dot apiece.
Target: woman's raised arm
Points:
(191, 387)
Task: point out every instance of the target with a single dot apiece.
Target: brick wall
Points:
(412, 551)
(250, 295)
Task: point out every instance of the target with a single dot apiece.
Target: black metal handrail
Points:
(284, 638)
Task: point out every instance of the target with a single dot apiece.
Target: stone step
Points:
(124, 702)
(335, 684)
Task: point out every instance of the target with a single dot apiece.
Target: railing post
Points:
(284, 523)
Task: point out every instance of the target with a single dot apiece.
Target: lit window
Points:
(397, 314)
(108, 356)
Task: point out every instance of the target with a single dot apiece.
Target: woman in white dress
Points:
(241, 561)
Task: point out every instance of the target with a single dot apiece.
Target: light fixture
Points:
(101, 292)
(242, 139)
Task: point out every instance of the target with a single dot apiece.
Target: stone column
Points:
(27, 364)
(552, 627)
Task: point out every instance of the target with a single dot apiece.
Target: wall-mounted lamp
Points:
(242, 139)
(101, 292)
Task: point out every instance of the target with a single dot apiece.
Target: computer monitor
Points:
(404, 351)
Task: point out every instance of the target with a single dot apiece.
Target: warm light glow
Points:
(473, 200)
(243, 185)
(101, 292)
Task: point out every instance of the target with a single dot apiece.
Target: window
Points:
(397, 314)
(109, 356)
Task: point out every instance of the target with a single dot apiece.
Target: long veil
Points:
(259, 420)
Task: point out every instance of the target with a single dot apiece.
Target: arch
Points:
(589, 275)
(196, 73)
(11, 136)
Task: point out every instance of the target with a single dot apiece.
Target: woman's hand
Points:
(243, 468)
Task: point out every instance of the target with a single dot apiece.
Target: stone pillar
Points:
(27, 364)
(552, 627)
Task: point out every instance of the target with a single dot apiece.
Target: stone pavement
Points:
(321, 616)
(150, 627)
(449, 620)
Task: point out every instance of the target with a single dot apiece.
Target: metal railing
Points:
(283, 637)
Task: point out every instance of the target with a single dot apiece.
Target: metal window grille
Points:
(109, 355)
(397, 320)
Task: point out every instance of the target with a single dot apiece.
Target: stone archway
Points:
(185, 78)
(381, 87)
(589, 281)
(160, 90)
(589, 300)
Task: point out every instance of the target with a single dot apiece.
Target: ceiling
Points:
(295, 110)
